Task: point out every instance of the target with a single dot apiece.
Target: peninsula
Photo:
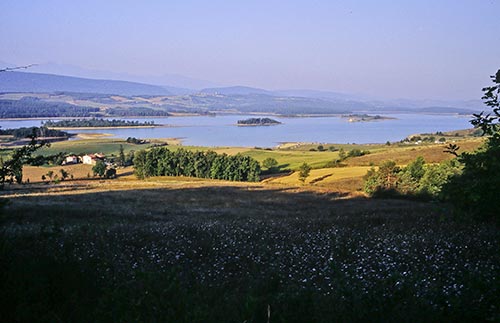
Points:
(95, 123)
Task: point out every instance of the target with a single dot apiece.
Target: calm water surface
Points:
(222, 131)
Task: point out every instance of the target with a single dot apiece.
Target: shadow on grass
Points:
(228, 253)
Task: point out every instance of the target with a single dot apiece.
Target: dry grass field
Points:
(177, 249)
(403, 155)
(190, 250)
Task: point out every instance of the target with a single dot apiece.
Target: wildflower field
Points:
(181, 250)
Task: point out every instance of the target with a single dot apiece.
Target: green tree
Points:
(140, 164)
(304, 171)
(384, 180)
(436, 176)
(12, 169)
(475, 191)
(270, 163)
(99, 168)
(342, 154)
(121, 157)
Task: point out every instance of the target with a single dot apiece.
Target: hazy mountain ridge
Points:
(35, 82)
(95, 92)
(236, 90)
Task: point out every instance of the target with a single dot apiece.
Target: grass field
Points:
(176, 249)
(335, 178)
(191, 250)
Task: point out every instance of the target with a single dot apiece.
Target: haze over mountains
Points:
(251, 99)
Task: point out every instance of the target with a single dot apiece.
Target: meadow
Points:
(189, 250)
(177, 249)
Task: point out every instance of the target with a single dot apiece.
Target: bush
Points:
(357, 153)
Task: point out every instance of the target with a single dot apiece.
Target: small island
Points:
(258, 122)
(365, 117)
(97, 123)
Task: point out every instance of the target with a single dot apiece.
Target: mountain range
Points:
(335, 102)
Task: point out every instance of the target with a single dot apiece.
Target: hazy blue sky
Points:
(416, 49)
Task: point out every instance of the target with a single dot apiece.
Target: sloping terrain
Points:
(173, 249)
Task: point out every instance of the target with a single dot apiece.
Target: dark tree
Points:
(475, 191)
(12, 169)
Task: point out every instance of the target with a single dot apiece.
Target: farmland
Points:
(198, 250)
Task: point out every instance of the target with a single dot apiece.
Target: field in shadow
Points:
(235, 253)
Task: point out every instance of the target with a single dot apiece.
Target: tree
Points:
(489, 122)
(110, 173)
(99, 168)
(304, 171)
(64, 174)
(342, 154)
(270, 163)
(384, 181)
(12, 169)
(121, 157)
(475, 191)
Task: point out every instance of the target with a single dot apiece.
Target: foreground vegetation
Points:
(180, 250)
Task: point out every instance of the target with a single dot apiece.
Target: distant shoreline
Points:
(103, 128)
(222, 113)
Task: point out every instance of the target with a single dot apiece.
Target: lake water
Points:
(221, 130)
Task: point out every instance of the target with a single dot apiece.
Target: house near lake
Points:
(91, 159)
(71, 159)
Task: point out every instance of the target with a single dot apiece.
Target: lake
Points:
(221, 130)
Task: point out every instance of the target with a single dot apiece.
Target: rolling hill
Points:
(36, 82)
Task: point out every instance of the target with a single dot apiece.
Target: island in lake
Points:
(258, 122)
(365, 117)
(98, 123)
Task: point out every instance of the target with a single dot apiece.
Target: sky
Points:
(426, 49)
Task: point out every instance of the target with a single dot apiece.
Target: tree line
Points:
(136, 112)
(94, 122)
(35, 108)
(417, 179)
(161, 161)
(25, 132)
